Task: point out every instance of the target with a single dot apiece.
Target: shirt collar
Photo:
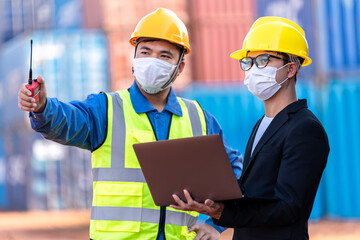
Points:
(142, 105)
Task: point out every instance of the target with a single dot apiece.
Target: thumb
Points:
(42, 99)
(40, 80)
(210, 203)
(193, 228)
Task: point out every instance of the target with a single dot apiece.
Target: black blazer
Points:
(280, 179)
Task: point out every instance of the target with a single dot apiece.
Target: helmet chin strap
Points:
(175, 71)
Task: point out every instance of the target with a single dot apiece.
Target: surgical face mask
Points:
(152, 74)
(262, 82)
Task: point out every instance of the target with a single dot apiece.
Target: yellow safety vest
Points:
(122, 204)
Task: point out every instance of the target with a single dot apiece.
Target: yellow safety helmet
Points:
(275, 34)
(162, 24)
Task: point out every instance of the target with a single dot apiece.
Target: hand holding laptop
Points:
(198, 164)
(209, 207)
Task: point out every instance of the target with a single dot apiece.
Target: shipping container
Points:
(338, 38)
(15, 163)
(122, 16)
(300, 12)
(13, 72)
(217, 29)
(92, 14)
(3, 187)
(341, 117)
(39, 174)
(23, 16)
(74, 63)
(68, 14)
(60, 177)
(19, 16)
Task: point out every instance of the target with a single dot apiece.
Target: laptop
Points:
(198, 164)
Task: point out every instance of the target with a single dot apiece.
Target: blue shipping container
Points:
(60, 176)
(74, 63)
(17, 17)
(3, 189)
(338, 36)
(13, 72)
(68, 14)
(16, 164)
(341, 120)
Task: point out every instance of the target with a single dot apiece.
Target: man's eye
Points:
(165, 56)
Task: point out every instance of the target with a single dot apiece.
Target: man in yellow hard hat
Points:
(109, 124)
(288, 147)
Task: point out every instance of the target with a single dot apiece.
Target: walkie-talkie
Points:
(33, 85)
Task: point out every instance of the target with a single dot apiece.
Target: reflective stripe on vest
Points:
(117, 172)
(147, 215)
(112, 180)
(194, 117)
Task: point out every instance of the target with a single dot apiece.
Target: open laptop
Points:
(198, 164)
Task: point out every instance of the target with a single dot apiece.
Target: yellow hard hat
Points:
(162, 24)
(275, 34)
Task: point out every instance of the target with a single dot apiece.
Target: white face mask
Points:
(152, 74)
(262, 82)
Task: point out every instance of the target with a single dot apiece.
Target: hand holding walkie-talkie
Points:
(33, 85)
(30, 98)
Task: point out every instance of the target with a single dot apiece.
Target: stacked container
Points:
(218, 28)
(74, 63)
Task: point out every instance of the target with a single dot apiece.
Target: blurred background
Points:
(81, 47)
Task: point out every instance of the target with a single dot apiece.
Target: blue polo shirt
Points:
(83, 123)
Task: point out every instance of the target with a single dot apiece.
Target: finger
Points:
(178, 200)
(24, 97)
(181, 205)
(193, 228)
(26, 108)
(24, 94)
(176, 207)
(24, 90)
(26, 103)
(188, 197)
(190, 201)
(199, 236)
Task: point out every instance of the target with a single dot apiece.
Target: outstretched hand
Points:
(209, 207)
(27, 103)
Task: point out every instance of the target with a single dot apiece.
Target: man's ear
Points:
(181, 67)
(292, 70)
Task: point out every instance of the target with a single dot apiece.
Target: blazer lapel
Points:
(274, 126)
(249, 146)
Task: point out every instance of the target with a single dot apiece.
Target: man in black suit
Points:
(288, 147)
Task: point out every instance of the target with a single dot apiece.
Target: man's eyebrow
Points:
(167, 52)
(145, 48)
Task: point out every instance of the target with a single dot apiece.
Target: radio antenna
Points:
(30, 71)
